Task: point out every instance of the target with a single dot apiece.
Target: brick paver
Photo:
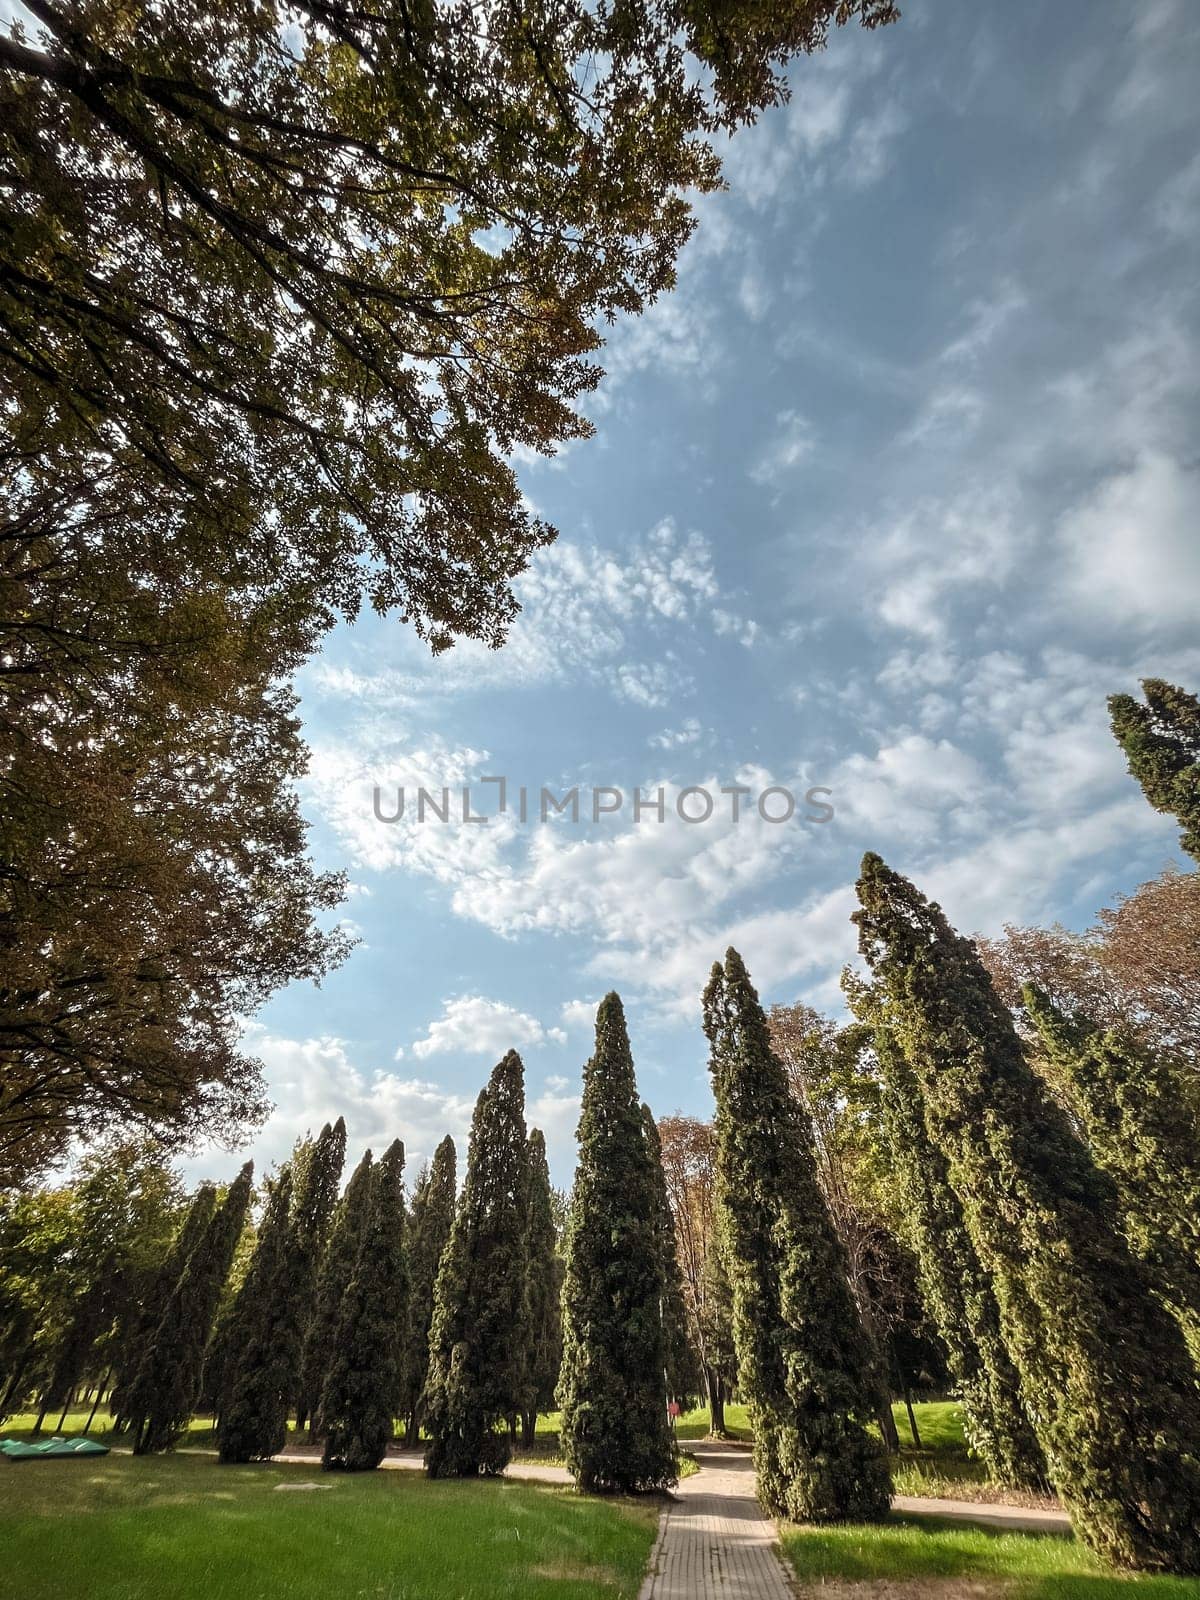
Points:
(714, 1542)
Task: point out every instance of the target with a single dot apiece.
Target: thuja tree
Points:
(253, 1409)
(474, 1386)
(1161, 741)
(317, 1174)
(163, 1395)
(615, 1429)
(431, 1219)
(362, 1393)
(543, 1291)
(1141, 1128)
(682, 1367)
(956, 1290)
(805, 1364)
(1103, 1365)
(333, 1279)
(136, 1330)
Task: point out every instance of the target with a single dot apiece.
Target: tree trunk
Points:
(716, 1403)
(70, 1395)
(887, 1425)
(41, 1416)
(529, 1429)
(412, 1431)
(912, 1419)
(96, 1401)
(13, 1389)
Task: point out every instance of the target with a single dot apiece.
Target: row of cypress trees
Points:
(1082, 1303)
(497, 1352)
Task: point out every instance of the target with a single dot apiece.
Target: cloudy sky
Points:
(886, 498)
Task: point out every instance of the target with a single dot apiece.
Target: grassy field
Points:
(940, 1467)
(926, 1559)
(546, 1449)
(183, 1527)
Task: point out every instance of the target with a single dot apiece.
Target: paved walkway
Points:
(714, 1543)
(982, 1514)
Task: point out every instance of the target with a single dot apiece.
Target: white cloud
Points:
(940, 548)
(584, 614)
(1132, 549)
(744, 629)
(473, 1025)
(314, 1081)
(915, 786)
(579, 1014)
(689, 732)
(793, 443)
(754, 295)
(873, 144)
(985, 320)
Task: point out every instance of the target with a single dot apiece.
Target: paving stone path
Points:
(714, 1543)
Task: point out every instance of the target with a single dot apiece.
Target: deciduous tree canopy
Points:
(318, 268)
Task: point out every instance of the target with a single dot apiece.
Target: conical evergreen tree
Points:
(1103, 1366)
(136, 1333)
(543, 1291)
(333, 1279)
(428, 1233)
(1161, 741)
(163, 1395)
(956, 1290)
(615, 1430)
(475, 1358)
(804, 1360)
(253, 1416)
(334, 1269)
(317, 1180)
(1141, 1128)
(266, 1327)
(362, 1393)
(683, 1367)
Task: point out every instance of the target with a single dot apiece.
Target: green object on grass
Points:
(16, 1450)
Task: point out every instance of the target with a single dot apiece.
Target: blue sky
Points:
(886, 497)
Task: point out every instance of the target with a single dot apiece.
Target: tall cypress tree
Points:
(1103, 1366)
(1141, 1128)
(136, 1332)
(1161, 741)
(956, 1290)
(682, 1366)
(804, 1359)
(333, 1279)
(474, 1383)
(543, 1291)
(253, 1408)
(615, 1430)
(163, 1395)
(362, 1393)
(317, 1181)
(430, 1222)
(266, 1330)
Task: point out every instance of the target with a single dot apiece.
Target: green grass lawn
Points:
(182, 1527)
(546, 1449)
(936, 1559)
